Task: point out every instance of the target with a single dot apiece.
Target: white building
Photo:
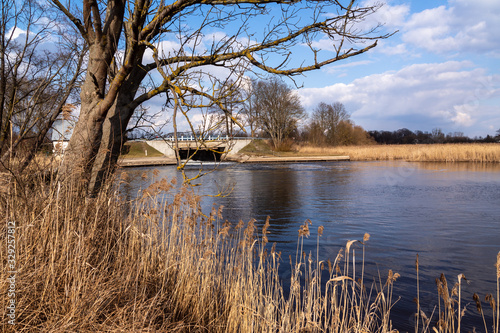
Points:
(62, 129)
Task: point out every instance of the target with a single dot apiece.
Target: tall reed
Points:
(473, 152)
(450, 311)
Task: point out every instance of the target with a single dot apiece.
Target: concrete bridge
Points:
(210, 148)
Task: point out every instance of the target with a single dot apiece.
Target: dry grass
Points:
(159, 264)
(415, 153)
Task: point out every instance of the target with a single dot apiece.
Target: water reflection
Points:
(459, 166)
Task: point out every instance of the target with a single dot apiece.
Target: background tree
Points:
(437, 135)
(406, 136)
(344, 133)
(329, 119)
(278, 108)
(360, 136)
(249, 110)
(40, 64)
(314, 133)
(166, 45)
(231, 96)
(331, 125)
(456, 137)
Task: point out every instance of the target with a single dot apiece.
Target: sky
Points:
(440, 70)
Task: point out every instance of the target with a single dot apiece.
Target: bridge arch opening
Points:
(212, 155)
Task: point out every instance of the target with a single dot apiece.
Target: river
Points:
(448, 213)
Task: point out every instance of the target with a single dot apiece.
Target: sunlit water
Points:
(447, 213)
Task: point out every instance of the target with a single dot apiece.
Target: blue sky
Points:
(441, 70)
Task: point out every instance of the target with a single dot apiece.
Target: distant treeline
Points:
(405, 136)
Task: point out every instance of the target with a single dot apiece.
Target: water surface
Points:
(447, 213)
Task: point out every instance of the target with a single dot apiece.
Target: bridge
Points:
(210, 148)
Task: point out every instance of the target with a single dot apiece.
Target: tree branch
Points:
(78, 24)
(303, 69)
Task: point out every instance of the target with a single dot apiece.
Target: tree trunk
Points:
(82, 147)
(114, 129)
(86, 137)
(96, 144)
(112, 140)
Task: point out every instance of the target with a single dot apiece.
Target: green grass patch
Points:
(257, 147)
(138, 149)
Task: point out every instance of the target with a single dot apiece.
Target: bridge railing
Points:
(208, 138)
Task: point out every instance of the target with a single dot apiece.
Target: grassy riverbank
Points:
(160, 264)
(469, 152)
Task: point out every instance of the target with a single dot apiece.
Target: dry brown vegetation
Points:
(158, 263)
(475, 152)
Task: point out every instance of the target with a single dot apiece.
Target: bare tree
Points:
(278, 107)
(39, 68)
(176, 46)
(249, 110)
(332, 120)
(314, 133)
(331, 125)
(437, 135)
(230, 95)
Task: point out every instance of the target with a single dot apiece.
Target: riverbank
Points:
(145, 161)
(240, 158)
(158, 161)
(289, 159)
(259, 152)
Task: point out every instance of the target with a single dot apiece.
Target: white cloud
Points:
(387, 15)
(354, 63)
(450, 94)
(165, 48)
(15, 33)
(461, 116)
(462, 26)
(324, 44)
(459, 26)
(392, 50)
